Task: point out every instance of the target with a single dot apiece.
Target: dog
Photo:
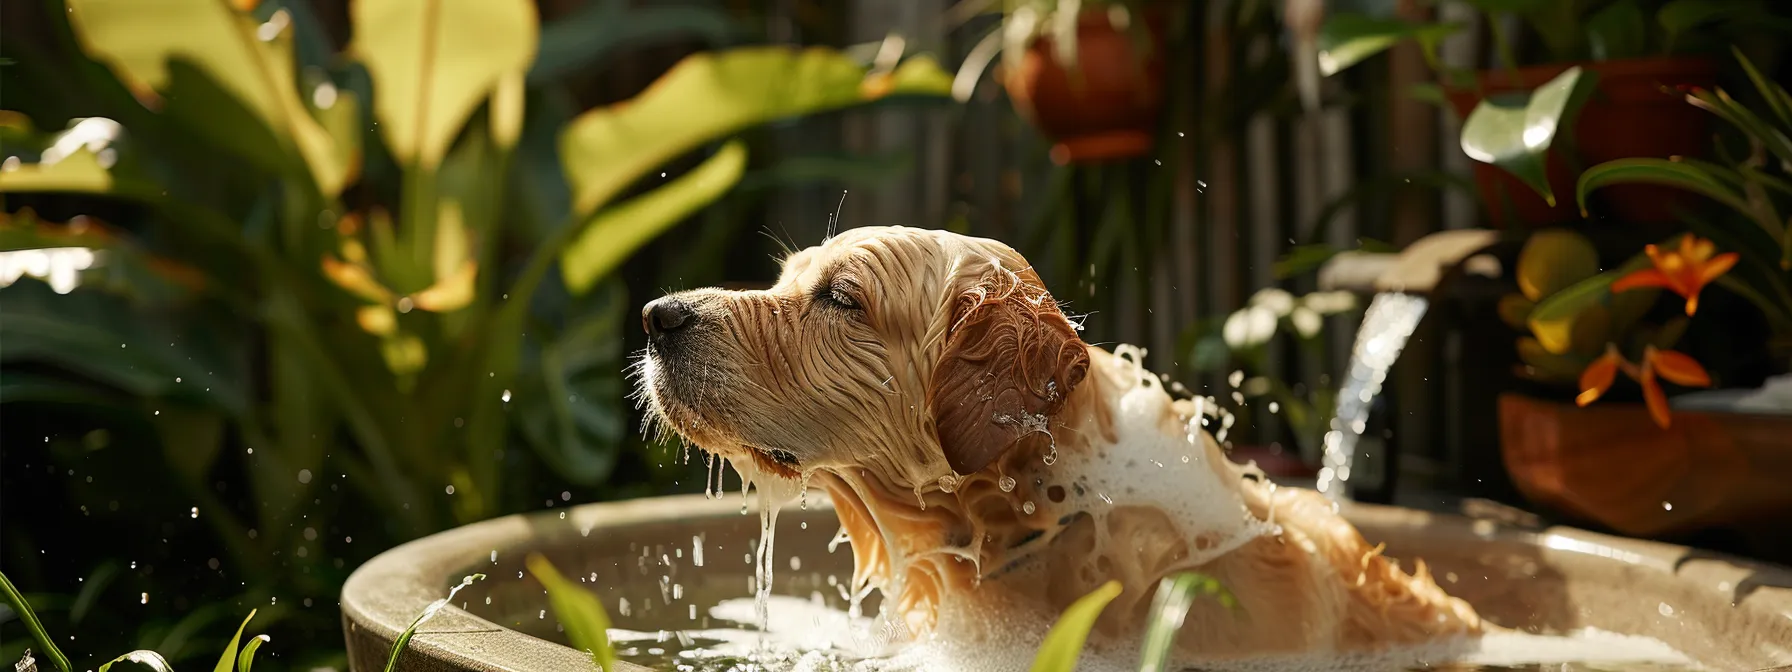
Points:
(984, 460)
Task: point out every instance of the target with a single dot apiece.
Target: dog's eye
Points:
(839, 295)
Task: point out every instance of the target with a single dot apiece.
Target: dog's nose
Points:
(665, 315)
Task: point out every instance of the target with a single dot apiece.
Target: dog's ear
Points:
(1009, 364)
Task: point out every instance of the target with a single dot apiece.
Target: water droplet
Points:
(494, 556)
(505, 396)
(304, 475)
(1028, 508)
(449, 489)
(145, 595)
(195, 512)
(1006, 484)
(565, 496)
(1185, 459)
(1667, 506)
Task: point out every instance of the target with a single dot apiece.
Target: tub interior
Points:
(649, 576)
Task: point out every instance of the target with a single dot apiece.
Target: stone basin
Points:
(1727, 613)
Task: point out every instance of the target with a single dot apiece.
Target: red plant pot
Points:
(1638, 109)
(1106, 107)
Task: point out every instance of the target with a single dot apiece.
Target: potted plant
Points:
(1649, 468)
(1088, 75)
(1622, 61)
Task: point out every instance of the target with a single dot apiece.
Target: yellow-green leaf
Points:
(1554, 259)
(433, 62)
(507, 109)
(710, 95)
(1064, 643)
(1347, 39)
(1515, 131)
(249, 60)
(80, 171)
(1552, 321)
(586, 622)
(617, 231)
(227, 662)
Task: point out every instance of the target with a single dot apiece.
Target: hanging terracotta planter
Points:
(1638, 109)
(1105, 107)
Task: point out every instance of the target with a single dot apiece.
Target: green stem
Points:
(32, 625)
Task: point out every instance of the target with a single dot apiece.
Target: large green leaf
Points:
(586, 622)
(1684, 175)
(601, 28)
(77, 172)
(434, 61)
(617, 231)
(711, 95)
(1348, 39)
(150, 46)
(1064, 642)
(1516, 131)
(572, 381)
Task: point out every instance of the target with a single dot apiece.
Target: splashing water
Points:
(1388, 323)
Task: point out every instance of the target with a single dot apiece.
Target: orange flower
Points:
(1676, 367)
(1684, 271)
(1598, 376)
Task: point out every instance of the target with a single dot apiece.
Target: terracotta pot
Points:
(1611, 464)
(1108, 113)
(1635, 111)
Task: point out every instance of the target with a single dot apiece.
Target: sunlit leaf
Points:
(710, 95)
(433, 62)
(1348, 39)
(1064, 642)
(1516, 131)
(1553, 259)
(77, 172)
(227, 662)
(1169, 607)
(148, 44)
(507, 110)
(1665, 172)
(617, 231)
(246, 661)
(404, 638)
(144, 657)
(587, 624)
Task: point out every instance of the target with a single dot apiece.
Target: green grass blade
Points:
(1175, 594)
(586, 622)
(404, 638)
(1658, 171)
(227, 661)
(1064, 643)
(247, 657)
(32, 625)
(144, 657)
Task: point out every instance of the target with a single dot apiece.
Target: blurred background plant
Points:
(336, 300)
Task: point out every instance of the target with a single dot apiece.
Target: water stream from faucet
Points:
(1387, 324)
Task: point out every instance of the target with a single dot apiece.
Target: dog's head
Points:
(913, 353)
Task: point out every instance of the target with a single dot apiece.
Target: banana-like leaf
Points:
(616, 232)
(572, 376)
(188, 49)
(1348, 39)
(711, 95)
(1064, 642)
(598, 29)
(1682, 174)
(434, 61)
(78, 172)
(1515, 132)
(586, 622)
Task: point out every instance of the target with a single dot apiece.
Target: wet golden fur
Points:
(927, 380)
